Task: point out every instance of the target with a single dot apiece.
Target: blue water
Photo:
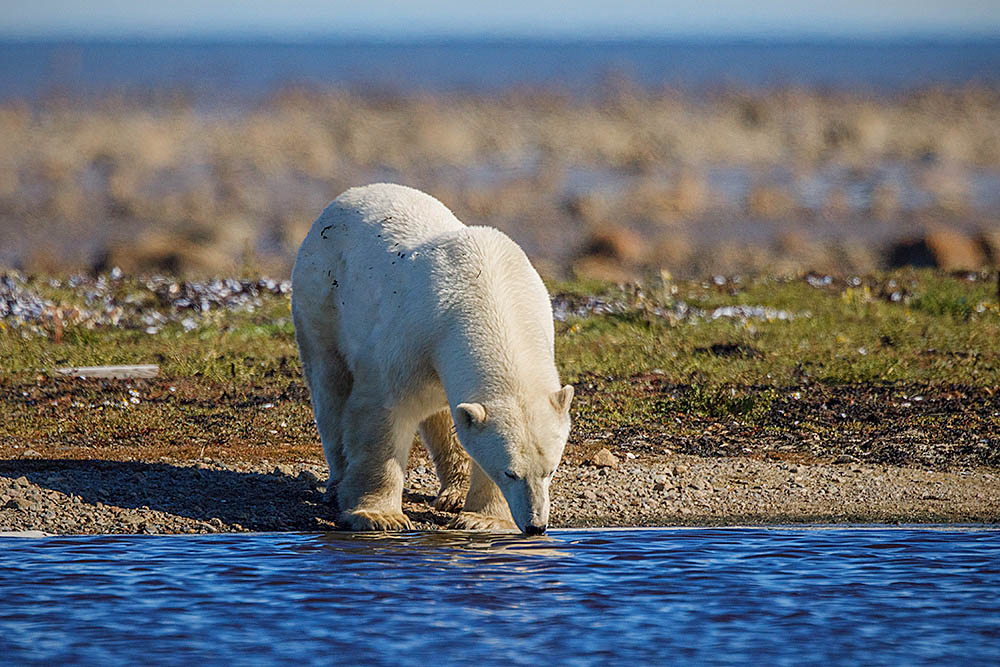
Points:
(714, 596)
(228, 70)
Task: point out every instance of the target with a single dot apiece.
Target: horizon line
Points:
(438, 37)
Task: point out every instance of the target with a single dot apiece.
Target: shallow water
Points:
(717, 596)
(222, 70)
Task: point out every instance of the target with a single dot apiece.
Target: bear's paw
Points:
(370, 520)
(450, 500)
(485, 522)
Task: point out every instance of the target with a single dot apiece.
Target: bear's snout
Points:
(534, 530)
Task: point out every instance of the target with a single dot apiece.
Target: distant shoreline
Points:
(226, 68)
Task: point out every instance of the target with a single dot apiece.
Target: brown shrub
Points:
(942, 248)
(610, 253)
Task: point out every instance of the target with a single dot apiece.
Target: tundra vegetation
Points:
(898, 367)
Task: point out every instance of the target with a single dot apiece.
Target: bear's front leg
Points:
(370, 495)
(485, 507)
(451, 463)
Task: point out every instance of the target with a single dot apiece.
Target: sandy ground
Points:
(91, 497)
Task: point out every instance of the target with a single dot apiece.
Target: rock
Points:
(610, 254)
(283, 469)
(845, 458)
(310, 478)
(659, 486)
(700, 485)
(604, 459)
(680, 469)
(18, 504)
(941, 248)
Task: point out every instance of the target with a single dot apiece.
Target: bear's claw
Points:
(369, 520)
(475, 521)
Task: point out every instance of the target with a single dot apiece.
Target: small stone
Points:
(589, 494)
(659, 486)
(604, 459)
(309, 477)
(22, 481)
(680, 469)
(19, 504)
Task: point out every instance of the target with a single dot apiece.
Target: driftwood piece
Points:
(120, 372)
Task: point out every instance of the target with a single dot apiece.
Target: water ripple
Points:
(708, 596)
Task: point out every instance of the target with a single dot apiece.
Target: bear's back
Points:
(395, 213)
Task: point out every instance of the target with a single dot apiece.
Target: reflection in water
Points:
(774, 596)
(451, 545)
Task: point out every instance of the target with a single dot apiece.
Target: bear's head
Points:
(518, 443)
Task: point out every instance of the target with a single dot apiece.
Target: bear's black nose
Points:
(534, 530)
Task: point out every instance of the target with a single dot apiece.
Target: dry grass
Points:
(196, 192)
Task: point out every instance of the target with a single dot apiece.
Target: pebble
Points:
(186, 302)
(636, 492)
(604, 459)
(310, 478)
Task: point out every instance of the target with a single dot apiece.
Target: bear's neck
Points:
(475, 364)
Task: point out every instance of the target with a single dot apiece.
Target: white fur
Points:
(401, 311)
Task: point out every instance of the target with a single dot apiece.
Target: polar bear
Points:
(407, 320)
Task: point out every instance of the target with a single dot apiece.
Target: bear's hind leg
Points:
(451, 463)
(485, 508)
(330, 383)
(376, 448)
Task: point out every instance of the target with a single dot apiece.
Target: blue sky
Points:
(532, 18)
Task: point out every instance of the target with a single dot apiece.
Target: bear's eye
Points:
(510, 474)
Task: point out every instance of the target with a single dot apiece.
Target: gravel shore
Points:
(209, 496)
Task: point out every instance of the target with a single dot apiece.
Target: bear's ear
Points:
(560, 399)
(470, 414)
